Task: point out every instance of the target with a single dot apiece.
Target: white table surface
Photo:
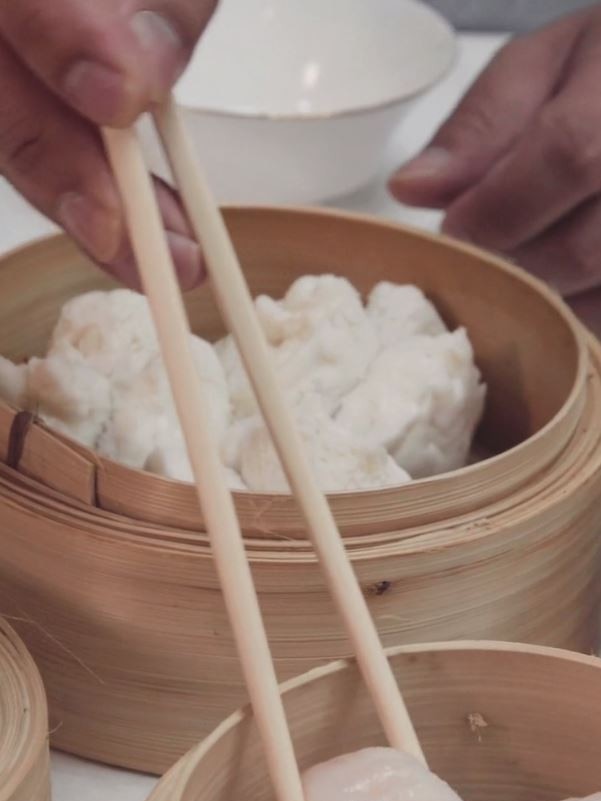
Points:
(76, 780)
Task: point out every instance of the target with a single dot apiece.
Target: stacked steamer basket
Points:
(24, 753)
(111, 567)
(496, 722)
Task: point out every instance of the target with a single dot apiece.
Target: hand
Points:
(67, 66)
(517, 167)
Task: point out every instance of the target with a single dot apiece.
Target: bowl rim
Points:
(182, 771)
(434, 76)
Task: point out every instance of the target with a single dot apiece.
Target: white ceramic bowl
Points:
(294, 101)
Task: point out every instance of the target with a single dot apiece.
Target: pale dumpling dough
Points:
(421, 400)
(103, 382)
(340, 461)
(112, 331)
(13, 382)
(144, 420)
(401, 311)
(170, 458)
(375, 774)
(63, 391)
(69, 396)
(321, 338)
(381, 392)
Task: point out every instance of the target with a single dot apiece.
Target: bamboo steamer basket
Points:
(114, 570)
(496, 721)
(24, 752)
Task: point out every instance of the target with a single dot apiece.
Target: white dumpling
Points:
(235, 437)
(170, 458)
(421, 400)
(401, 311)
(375, 774)
(112, 331)
(339, 460)
(69, 396)
(13, 382)
(321, 339)
(214, 384)
(144, 417)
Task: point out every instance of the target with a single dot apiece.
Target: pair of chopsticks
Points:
(236, 304)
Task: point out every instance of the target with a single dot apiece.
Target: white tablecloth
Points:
(73, 779)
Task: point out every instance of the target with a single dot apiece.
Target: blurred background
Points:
(505, 15)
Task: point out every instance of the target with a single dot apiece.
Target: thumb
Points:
(489, 119)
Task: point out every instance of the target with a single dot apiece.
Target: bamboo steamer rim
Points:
(24, 701)
(416, 539)
(187, 765)
(524, 456)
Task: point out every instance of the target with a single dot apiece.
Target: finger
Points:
(587, 307)
(186, 257)
(567, 256)
(554, 168)
(490, 118)
(56, 160)
(110, 60)
(185, 252)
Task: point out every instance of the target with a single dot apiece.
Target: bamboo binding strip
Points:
(24, 754)
(112, 568)
(496, 721)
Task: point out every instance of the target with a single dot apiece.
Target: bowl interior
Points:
(302, 58)
(497, 722)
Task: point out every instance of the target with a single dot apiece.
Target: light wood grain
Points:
(513, 321)
(128, 626)
(236, 303)
(157, 272)
(24, 754)
(497, 722)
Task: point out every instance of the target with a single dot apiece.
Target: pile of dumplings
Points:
(382, 392)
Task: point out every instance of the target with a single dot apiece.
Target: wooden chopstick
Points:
(160, 284)
(236, 304)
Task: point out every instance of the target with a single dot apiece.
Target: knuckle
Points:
(189, 18)
(27, 22)
(23, 144)
(571, 147)
(582, 259)
(472, 120)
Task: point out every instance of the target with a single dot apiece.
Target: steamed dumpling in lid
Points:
(144, 418)
(321, 337)
(421, 400)
(339, 460)
(69, 396)
(112, 331)
(375, 774)
(401, 311)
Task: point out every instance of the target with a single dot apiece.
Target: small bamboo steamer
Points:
(496, 721)
(114, 570)
(24, 752)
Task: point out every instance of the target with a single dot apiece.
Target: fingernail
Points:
(430, 163)
(96, 229)
(187, 259)
(157, 37)
(95, 90)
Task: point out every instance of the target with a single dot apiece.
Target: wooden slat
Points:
(58, 465)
